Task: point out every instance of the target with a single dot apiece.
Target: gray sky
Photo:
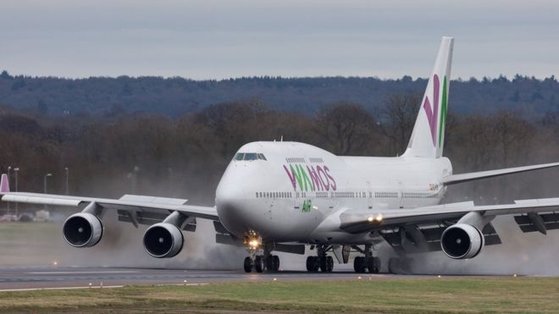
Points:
(292, 38)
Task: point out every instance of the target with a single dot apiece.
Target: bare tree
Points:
(346, 128)
(398, 118)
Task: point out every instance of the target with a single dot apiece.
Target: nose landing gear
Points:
(260, 259)
(261, 263)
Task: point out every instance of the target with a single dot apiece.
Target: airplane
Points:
(286, 196)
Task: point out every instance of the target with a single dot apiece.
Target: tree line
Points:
(184, 156)
(107, 97)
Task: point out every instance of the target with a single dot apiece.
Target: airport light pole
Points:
(67, 171)
(45, 181)
(16, 170)
(45, 185)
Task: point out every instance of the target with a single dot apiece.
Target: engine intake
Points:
(462, 241)
(163, 240)
(82, 230)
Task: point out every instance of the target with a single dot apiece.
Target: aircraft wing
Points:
(128, 203)
(464, 177)
(533, 215)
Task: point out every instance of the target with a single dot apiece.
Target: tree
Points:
(346, 128)
(398, 117)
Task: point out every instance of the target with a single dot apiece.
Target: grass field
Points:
(434, 295)
(36, 243)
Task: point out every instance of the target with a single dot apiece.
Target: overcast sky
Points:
(214, 39)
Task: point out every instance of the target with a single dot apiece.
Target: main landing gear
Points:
(322, 262)
(368, 262)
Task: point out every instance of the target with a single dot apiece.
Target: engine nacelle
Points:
(163, 240)
(461, 241)
(82, 230)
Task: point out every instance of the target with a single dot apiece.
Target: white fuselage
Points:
(284, 191)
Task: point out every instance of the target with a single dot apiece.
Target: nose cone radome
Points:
(232, 198)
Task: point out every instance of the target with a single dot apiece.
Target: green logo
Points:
(307, 205)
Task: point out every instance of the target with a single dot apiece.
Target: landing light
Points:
(252, 240)
(377, 219)
(254, 243)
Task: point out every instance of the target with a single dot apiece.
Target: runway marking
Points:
(82, 272)
(60, 288)
(183, 284)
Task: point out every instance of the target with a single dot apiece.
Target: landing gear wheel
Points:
(376, 265)
(323, 264)
(248, 264)
(373, 264)
(312, 264)
(259, 264)
(330, 263)
(272, 263)
(359, 264)
(275, 263)
(269, 263)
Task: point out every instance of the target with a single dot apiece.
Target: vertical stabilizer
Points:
(427, 139)
(4, 184)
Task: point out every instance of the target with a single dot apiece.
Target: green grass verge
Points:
(433, 295)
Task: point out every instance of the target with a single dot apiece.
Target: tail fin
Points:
(4, 184)
(427, 139)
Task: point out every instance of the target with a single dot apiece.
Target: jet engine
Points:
(82, 230)
(163, 240)
(462, 241)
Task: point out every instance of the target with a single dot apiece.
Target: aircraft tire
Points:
(269, 263)
(309, 263)
(259, 264)
(276, 263)
(377, 264)
(324, 264)
(330, 263)
(312, 264)
(373, 265)
(248, 264)
(359, 264)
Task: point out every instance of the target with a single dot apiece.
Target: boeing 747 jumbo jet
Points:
(336, 205)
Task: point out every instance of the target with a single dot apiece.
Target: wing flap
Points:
(152, 199)
(538, 222)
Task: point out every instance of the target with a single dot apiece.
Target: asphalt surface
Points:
(14, 278)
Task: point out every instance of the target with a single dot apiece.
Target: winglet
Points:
(4, 184)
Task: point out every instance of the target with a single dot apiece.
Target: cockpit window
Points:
(239, 156)
(249, 156)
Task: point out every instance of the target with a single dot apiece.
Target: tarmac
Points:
(31, 278)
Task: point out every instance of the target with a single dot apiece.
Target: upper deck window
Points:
(249, 156)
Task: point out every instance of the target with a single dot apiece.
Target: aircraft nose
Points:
(231, 201)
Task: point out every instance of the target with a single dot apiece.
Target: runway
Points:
(14, 278)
